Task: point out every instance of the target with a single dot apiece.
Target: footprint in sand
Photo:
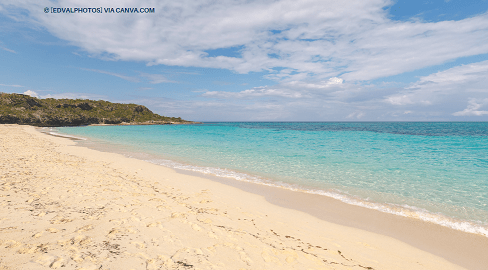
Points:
(168, 262)
(45, 259)
(153, 224)
(162, 207)
(50, 261)
(212, 235)
(177, 215)
(27, 250)
(138, 245)
(290, 259)
(12, 244)
(152, 264)
(60, 220)
(79, 240)
(205, 201)
(206, 221)
(157, 200)
(58, 262)
(85, 228)
(77, 258)
(196, 227)
(245, 258)
(269, 258)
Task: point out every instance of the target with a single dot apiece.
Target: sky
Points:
(245, 60)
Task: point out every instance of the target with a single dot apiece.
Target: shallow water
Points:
(432, 171)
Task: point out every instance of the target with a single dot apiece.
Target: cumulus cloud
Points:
(473, 108)
(316, 39)
(31, 93)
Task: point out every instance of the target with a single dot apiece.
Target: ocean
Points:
(437, 172)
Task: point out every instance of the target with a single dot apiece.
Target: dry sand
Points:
(77, 208)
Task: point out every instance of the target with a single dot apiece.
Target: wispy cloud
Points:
(454, 84)
(7, 49)
(292, 89)
(11, 85)
(127, 78)
(221, 83)
(256, 92)
(144, 88)
(156, 78)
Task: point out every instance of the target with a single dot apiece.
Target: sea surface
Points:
(436, 172)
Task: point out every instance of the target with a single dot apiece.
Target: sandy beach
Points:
(70, 207)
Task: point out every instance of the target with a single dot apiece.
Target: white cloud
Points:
(11, 85)
(257, 92)
(406, 100)
(455, 75)
(316, 38)
(292, 89)
(7, 49)
(156, 78)
(438, 96)
(473, 108)
(152, 78)
(448, 86)
(127, 78)
(75, 96)
(357, 115)
(318, 51)
(31, 93)
(318, 85)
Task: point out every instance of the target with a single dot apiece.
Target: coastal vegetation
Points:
(24, 109)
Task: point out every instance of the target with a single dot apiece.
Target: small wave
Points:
(53, 133)
(66, 136)
(400, 210)
(409, 211)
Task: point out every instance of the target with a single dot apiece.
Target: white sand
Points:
(76, 208)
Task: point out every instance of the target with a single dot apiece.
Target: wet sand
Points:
(71, 207)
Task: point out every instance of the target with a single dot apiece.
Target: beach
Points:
(70, 207)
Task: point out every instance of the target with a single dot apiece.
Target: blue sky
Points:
(356, 60)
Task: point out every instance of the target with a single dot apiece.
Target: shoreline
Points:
(251, 228)
(460, 247)
(450, 207)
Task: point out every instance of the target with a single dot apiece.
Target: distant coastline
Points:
(50, 112)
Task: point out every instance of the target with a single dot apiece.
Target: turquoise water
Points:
(432, 171)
